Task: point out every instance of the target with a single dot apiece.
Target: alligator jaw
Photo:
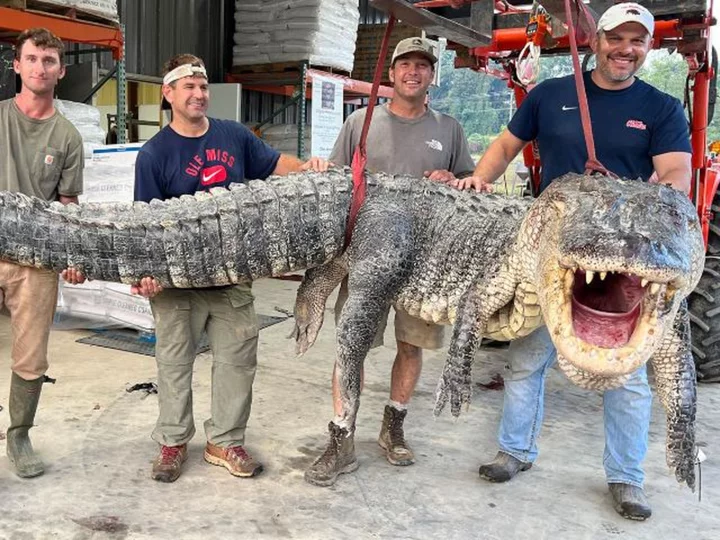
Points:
(603, 322)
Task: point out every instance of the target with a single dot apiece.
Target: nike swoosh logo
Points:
(208, 178)
(566, 108)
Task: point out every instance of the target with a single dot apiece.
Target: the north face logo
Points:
(435, 145)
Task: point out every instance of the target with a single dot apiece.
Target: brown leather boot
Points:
(234, 458)
(168, 464)
(338, 458)
(630, 501)
(24, 398)
(392, 438)
(502, 468)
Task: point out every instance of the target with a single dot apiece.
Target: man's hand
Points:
(147, 287)
(442, 176)
(316, 164)
(474, 182)
(457, 3)
(73, 276)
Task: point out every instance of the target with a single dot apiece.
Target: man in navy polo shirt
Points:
(196, 153)
(638, 130)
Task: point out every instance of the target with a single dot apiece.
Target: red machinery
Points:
(485, 33)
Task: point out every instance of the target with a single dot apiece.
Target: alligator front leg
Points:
(317, 285)
(677, 388)
(474, 311)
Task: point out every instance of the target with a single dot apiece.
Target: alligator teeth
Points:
(643, 282)
(654, 288)
(602, 276)
(589, 277)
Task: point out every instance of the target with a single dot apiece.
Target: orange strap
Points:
(359, 160)
(592, 164)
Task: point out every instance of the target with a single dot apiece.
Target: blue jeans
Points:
(627, 411)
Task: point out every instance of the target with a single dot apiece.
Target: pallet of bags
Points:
(86, 119)
(102, 11)
(322, 32)
(99, 304)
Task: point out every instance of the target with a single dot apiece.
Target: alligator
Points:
(606, 264)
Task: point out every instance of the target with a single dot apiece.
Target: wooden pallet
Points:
(280, 67)
(66, 12)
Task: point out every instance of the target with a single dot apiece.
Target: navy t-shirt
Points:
(629, 126)
(170, 165)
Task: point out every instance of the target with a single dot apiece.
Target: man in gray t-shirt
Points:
(405, 137)
(41, 154)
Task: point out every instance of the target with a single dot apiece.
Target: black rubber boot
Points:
(392, 438)
(338, 458)
(630, 501)
(24, 398)
(502, 468)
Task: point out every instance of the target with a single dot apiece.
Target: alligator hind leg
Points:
(379, 265)
(312, 295)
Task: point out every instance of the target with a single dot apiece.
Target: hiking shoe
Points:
(502, 468)
(392, 438)
(168, 464)
(630, 501)
(338, 458)
(234, 458)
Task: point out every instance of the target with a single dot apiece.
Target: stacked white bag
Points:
(86, 119)
(323, 32)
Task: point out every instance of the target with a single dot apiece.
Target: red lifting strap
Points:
(592, 164)
(359, 160)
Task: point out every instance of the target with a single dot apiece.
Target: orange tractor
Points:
(504, 38)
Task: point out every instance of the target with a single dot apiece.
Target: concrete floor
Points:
(95, 440)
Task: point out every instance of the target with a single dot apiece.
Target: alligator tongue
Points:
(601, 328)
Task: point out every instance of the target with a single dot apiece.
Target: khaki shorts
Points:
(30, 295)
(408, 329)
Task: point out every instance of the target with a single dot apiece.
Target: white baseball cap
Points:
(626, 12)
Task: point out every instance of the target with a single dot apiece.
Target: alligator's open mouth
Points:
(606, 307)
(607, 322)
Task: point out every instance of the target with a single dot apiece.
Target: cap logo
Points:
(631, 11)
(417, 41)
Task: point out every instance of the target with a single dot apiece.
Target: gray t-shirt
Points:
(43, 158)
(396, 145)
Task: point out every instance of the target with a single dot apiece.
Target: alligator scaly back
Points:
(253, 230)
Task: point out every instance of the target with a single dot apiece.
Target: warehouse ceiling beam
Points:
(436, 25)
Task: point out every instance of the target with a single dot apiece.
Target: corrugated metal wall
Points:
(155, 30)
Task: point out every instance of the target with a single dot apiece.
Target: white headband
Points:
(186, 70)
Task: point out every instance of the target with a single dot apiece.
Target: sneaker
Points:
(502, 468)
(392, 438)
(234, 458)
(168, 464)
(630, 501)
(338, 458)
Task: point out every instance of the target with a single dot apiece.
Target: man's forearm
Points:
(677, 178)
(287, 164)
(493, 163)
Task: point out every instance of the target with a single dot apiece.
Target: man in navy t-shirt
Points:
(638, 130)
(196, 153)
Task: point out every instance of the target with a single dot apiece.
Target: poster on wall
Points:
(327, 114)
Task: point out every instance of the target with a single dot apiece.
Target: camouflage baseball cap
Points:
(415, 44)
